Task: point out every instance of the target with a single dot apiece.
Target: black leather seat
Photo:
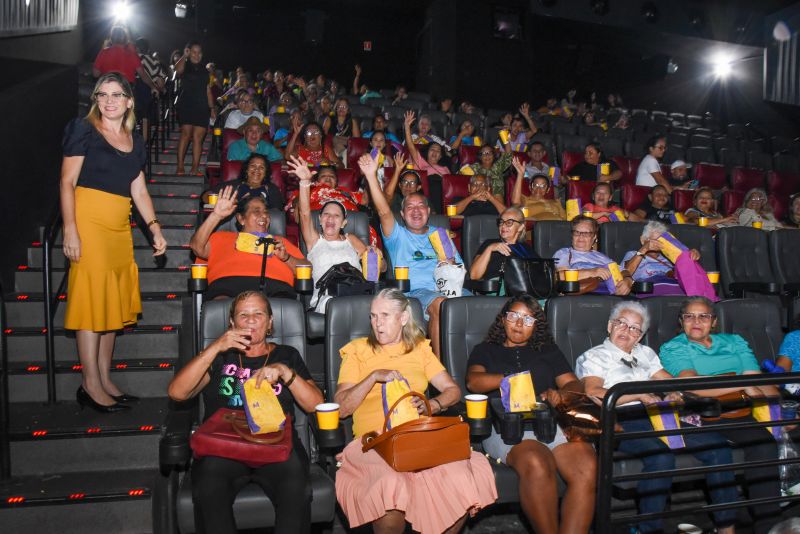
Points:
(699, 238)
(757, 320)
(476, 230)
(252, 508)
(277, 223)
(664, 323)
(579, 323)
(549, 236)
(785, 260)
(617, 238)
(744, 261)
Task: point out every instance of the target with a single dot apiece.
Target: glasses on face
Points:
(578, 233)
(698, 317)
(408, 183)
(661, 147)
(622, 325)
(341, 107)
(485, 154)
(757, 199)
(515, 317)
(312, 133)
(508, 223)
(539, 186)
(110, 97)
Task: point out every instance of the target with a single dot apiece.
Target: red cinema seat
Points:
(624, 167)
(666, 171)
(710, 175)
(454, 186)
(569, 160)
(522, 157)
(467, 155)
(230, 170)
(731, 201)
(347, 179)
(634, 196)
(633, 166)
(682, 200)
(581, 189)
(780, 206)
(276, 175)
(745, 179)
(356, 147)
(783, 183)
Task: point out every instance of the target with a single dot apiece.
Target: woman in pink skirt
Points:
(434, 500)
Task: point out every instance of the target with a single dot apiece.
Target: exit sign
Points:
(367, 46)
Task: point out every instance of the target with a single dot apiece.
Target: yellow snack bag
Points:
(442, 244)
(573, 208)
(517, 393)
(671, 248)
(664, 416)
(371, 263)
(247, 242)
(264, 412)
(405, 410)
(616, 277)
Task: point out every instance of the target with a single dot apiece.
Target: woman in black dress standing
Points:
(100, 175)
(195, 105)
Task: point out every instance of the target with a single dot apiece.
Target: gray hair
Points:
(631, 306)
(697, 298)
(420, 194)
(653, 228)
(412, 333)
(475, 177)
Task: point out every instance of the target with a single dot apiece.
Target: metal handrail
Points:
(5, 446)
(51, 302)
(604, 523)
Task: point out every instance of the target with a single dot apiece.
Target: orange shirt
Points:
(224, 260)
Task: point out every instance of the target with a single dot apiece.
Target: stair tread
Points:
(119, 482)
(36, 330)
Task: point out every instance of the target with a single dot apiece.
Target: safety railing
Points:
(51, 299)
(605, 523)
(5, 447)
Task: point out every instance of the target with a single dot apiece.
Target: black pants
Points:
(758, 444)
(216, 481)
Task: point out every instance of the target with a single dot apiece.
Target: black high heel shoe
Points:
(84, 399)
(125, 398)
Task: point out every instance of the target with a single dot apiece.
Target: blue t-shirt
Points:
(569, 258)
(239, 151)
(649, 268)
(728, 353)
(791, 349)
(407, 249)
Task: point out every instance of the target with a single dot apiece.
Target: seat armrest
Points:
(173, 447)
(793, 287)
(739, 288)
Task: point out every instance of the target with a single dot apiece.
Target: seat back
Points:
(581, 189)
(743, 256)
(230, 170)
(346, 319)
(454, 186)
(579, 323)
(633, 196)
(664, 323)
(464, 323)
(682, 199)
(730, 158)
(710, 175)
(476, 230)
(731, 201)
(617, 238)
(784, 258)
(277, 223)
(759, 160)
(356, 147)
(549, 236)
(699, 154)
(569, 159)
(699, 238)
(758, 321)
(746, 179)
(357, 224)
(780, 206)
(229, 135)
(347, 179)
(673, 153)
(467, 154)
(783, 183)
(788, 163)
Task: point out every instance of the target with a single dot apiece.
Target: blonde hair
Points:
(129, 120)
(412, 333)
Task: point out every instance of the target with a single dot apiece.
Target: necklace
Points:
(240, 373)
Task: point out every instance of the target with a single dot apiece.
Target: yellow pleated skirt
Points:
(103, 286)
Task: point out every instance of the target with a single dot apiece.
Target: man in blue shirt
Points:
(409, 245)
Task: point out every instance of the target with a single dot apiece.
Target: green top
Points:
(728, 353)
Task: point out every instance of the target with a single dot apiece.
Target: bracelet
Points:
(289, 382)
(154, 221)
(439, 404)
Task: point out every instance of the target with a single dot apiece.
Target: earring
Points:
(268, 333)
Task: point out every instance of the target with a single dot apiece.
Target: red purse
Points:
(227, 435)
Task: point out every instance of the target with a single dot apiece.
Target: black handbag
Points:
(534, 276)
(342, 280)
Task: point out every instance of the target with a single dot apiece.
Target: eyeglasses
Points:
(661, 147)
(699, 317)
(757, 199)
(110, 97)
(311, 133)
(508, 222)
(578, 233)
(539, 186)
(341, 107)
(409, 183)
(515, 317)
(622, 325)
(486, 153)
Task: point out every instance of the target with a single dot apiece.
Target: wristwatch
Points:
(640, 253)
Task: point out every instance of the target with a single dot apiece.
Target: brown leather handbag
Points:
(420, 444)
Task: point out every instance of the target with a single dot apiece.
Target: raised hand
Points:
(518, 165)
(368, 165)
(525, 109)
(235, 338)
(408, 119)
(400, 160)
(297, 124)
(226, 202)
(299, 167)
(358, 69)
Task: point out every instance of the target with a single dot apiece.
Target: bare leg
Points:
(198, 134)
(394, 522)
(577, 464)
(88, 350)
(183, 144)
(433, 324)
(536, 467)
(104, 357)
(457, 526)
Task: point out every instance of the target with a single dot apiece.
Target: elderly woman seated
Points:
(649, 264)
(490, 258)
(234, 259)
(252, 143)
(218, 374)
(592, 266)
(704, 206)
(540, 208)
(519, 340)
(756, 208)
(621, 358)
(253, 181)
(434, 500)
(308, 142)
(699, 352)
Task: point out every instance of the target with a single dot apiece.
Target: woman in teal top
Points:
(698, 352)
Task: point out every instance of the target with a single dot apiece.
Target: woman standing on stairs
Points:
(100, 174)
(195, 105)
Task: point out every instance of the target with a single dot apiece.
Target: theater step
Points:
(115, 501)
(176, 256)
(169, 171)
(172, 157)
(150, 280)
(177, 188)
(175, 235)
(163, 203)
(27, 309)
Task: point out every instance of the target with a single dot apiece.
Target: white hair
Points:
(631, 306)
(653, 228)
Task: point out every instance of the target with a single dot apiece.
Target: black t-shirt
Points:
(652, 213)
(267, 190)
(227, 379)
(104, 167)
(588, 171)
(477, 207)
(496, 260)
(544, 365)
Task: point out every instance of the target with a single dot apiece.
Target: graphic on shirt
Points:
(232, 382)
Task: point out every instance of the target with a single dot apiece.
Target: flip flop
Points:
(180, 173)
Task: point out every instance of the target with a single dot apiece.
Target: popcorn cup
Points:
(451, 210)
(327, 416)
(525, 212)
(571, 275)
(212, 198)
(303, 272)
(401, 273)
(713, 276)
(476, 405)
(758, 224)
(702, 221)
(199, 270)
(605, 169)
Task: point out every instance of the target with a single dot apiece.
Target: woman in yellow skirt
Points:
(100, 174)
